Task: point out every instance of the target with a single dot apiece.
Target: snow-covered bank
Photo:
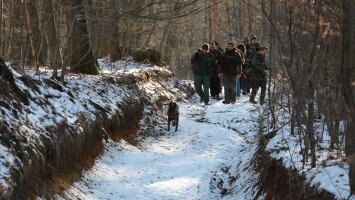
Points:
(213, 144)
(59, 123)
(332, 170)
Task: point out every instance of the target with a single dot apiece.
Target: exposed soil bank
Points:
(278, 182)
(69, 154)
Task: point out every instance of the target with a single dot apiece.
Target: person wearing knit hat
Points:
(245, 39)
(229, 69)
(245, 80)
(218, 46)
(205, 46)
(259, 75)
(215, 81)
(241, 49)
(202, 62)
(254, 43)
(253, 37)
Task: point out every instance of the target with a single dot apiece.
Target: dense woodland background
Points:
(311, 48)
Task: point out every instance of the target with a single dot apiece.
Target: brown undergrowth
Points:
(71, 153)
(280, 183)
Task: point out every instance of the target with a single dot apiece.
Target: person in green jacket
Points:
(202, 63)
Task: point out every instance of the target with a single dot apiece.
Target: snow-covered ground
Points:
(214, 144)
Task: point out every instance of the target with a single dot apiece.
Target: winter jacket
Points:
(249, 54)
(259, 67)
(256, 47)
(202, 63)
(230, 62)
(217, 55)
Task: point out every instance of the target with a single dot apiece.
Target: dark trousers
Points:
(256, 84)
(245, 82)
(202, 84)
(215, 85)
(229, 83)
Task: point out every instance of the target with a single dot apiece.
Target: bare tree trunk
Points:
(10, 27)
(216, 27)
(210, 28)
(236, 21)
(348, 79)
(53, 42)
(206, 34)
(151, 13)
(1, 23)
(250, 17)
(272, 62)
(240, 19)
(82, 59)
(311, 88)
(35, 34)
(166, 29)
(115, 51)
(228, 19)
(310, 123)
(172, 40)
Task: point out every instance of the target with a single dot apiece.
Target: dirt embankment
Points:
(53, 161)
(280, 183)
(70, 153)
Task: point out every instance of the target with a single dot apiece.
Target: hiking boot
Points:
(225, 102)
(253, 101)
(244, 93)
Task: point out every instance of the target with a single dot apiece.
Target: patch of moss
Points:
(91, 68)
(151, 55)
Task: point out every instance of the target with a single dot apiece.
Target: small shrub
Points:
(151, 55)
(91, 68)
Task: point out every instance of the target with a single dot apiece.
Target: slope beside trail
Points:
(208, 158)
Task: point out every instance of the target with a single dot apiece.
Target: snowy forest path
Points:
(176, 165)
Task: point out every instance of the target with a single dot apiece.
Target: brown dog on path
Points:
(173, 115)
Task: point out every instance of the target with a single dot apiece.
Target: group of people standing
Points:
(239, 68)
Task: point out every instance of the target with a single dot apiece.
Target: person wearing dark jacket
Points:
(259, 75)
(230, 67)
(254, 44)
(241, 49)
(218, 46)
(215, 81)
(202, 63)
(246, 68)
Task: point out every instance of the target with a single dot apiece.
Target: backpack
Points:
(194, 59)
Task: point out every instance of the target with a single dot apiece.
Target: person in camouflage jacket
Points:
(245, 80)
(259, 75)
